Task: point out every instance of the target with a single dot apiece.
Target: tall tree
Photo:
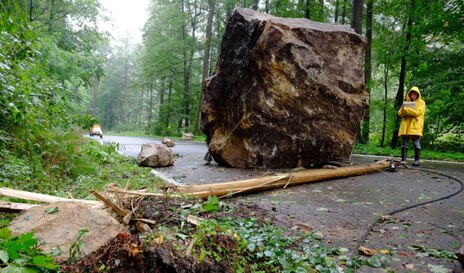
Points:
(345, 2)
(402, 77)
(367, 69)
(255, 4)
(356, 17)
(206, 60)
(336, 11)
(308, 9)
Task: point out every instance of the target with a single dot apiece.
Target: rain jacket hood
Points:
(412, 123)
(414, 89)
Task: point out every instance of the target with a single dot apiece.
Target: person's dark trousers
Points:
(417, 149)
(404, 149)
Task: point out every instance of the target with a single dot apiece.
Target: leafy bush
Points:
(21, 254)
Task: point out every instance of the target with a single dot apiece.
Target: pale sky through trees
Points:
(126, 18)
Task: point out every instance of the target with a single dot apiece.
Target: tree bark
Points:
(94, 95)
(356, 24)
(367, 70)
(385, 100)
(402, 78)
(150, 108)
(51, 16)
(187, 67)
(255, 4)
(344, 12)
(169, 108)
(281, 180)
(356, 16)
(308, 10)
(125, 103)
(206, 59)
(30, 11)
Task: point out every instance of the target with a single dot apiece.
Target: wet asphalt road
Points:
(343, 209)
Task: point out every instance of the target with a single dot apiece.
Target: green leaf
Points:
(51, 210)
(4, 257)
(268, 253)
(182, 236)
(44, 262)
(251, 247)
(374, 262)
(211, 205)
(4, 233)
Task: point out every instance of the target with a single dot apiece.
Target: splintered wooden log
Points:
(120, 211)
(41, 197)
(14, 207)
(281, 180)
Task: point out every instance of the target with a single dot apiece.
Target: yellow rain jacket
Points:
(412, 122)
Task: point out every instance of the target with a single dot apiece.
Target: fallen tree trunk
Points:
(41, 197)
(14, 207)
(223, 189)
(281, 180)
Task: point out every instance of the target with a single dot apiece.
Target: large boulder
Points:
(155, 155)
(285, 93)
(58, 225)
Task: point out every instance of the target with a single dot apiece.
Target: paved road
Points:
(343, 209)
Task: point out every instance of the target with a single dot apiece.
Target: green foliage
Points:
(370, 149)
(86, 121)
(77, 245)
(211, 205)
(267, 248)
(424, 251)
(61, 162)
(21, 254)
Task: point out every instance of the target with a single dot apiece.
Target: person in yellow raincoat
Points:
(412, 124)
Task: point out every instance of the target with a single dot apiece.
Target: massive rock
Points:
(155, 155)
(285, 93)
(57, 226)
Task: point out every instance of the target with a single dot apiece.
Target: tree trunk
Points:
(344, 11)
(356, 24)
(206, 59)
(255, 4)
(30, 11)
(150, 108)
(266, 6)
(356, 16)
(125, 104)
(187, 65)
(282, 180)
(142, 99)
(400, 92)
(367, 70)
(385, 100)
(336, 11)
(167, 119)
(307, 9)
(51, 17)
(321, 11)
(94, 95)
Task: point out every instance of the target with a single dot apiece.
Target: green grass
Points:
(64, 163)
(369, 149)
